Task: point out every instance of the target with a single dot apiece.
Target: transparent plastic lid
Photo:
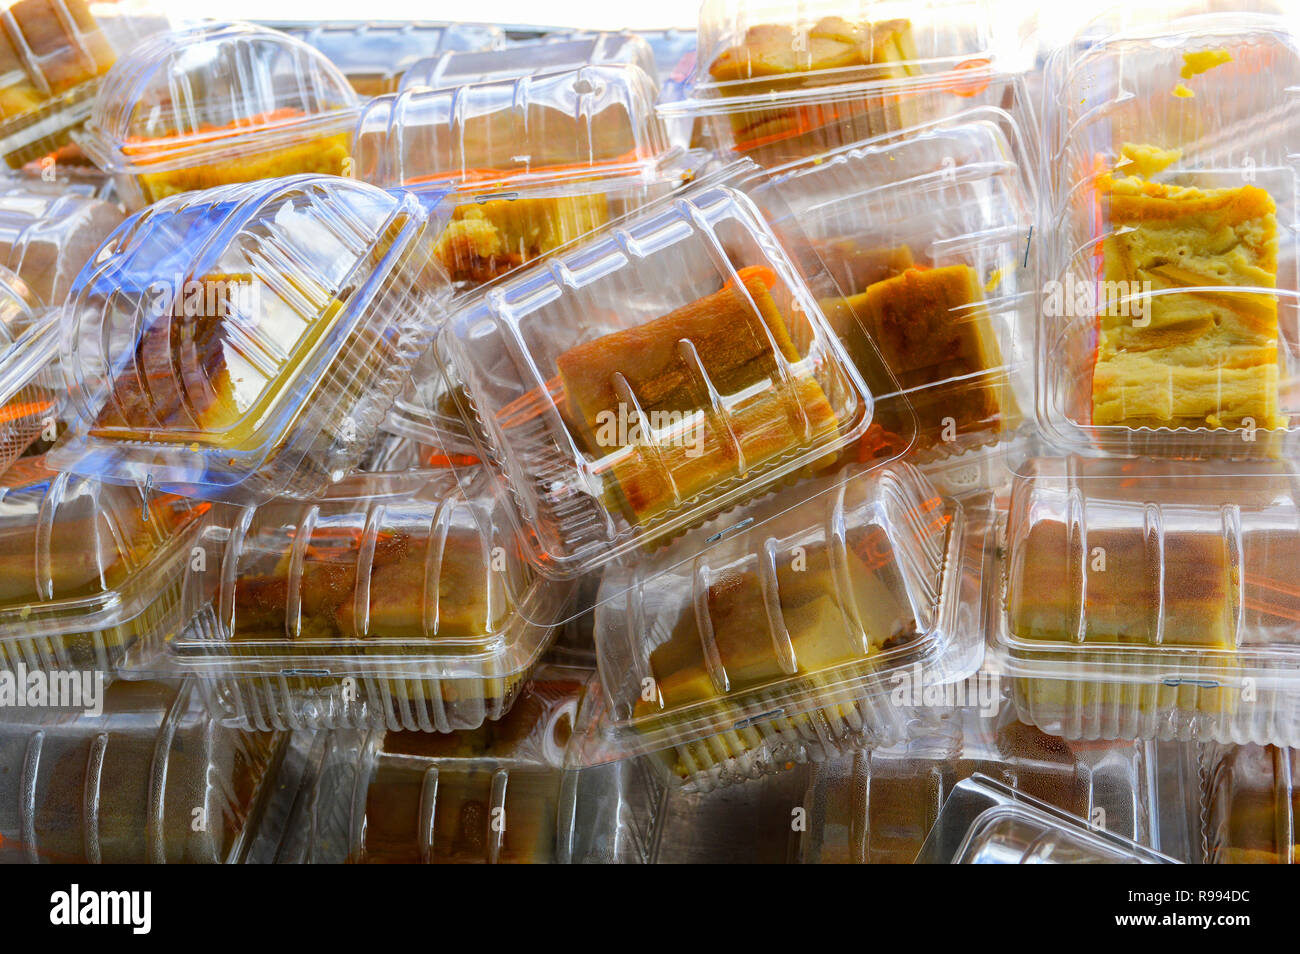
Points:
(46, 237)
(248, 340)
(453, 68)
(783, 642)
(1146, 599)
(375, 55)
(927, 241)
(399, 600)
(652, 376)
(124, 786)
(490, 795)
(874, 806)
(52, 54)
(1252, 797)
(515, 169)
(93, 571)
(579, 124)
(216, 104)
(986, 823)
(1170, 307)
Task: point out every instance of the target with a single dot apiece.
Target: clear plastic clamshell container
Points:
(1252, 803)
(485, 796)
(779, 83)
(986, 823)
(52, 55)
(219, 104)
(46, 236)
(1149, 599)
(928, 243)
(513, 170)
(1171, 323)
(93, 572)
(126, 786)
(516, 168)
(248, 340)
(375, 55)
(652, 377)
(788, 639)
(873, 806)
(397, 601)
(453, 68)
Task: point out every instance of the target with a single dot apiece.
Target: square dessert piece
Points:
(685, 402)
(1200, 359)
(484, 240)
(934, 333)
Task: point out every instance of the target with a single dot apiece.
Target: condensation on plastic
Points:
(866, 807)
(248, 340)
(488, 796)
(778, 84)
(123, 787)
(650, 377)
(47, 236)
(93, 573)
(52, 55)
(987, 823)
(219, 104)
(1252, 804)
(1149, 599)
(1124, 84)
(375, 55)
(928, 243)
(786, 641)
(398, 601)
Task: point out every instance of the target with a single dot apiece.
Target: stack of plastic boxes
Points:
(472, 474)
